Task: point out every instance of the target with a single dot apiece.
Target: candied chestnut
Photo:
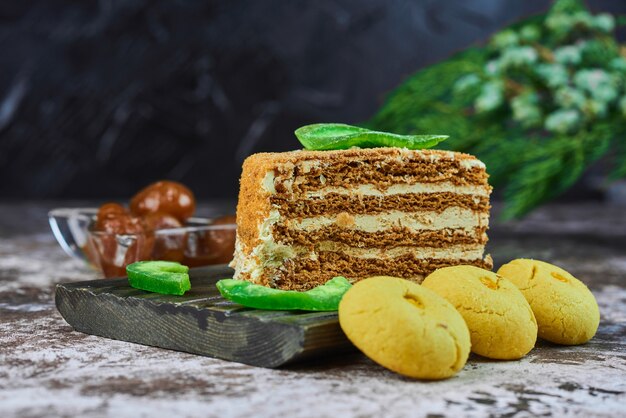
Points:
(167, 246)
(168, 197)
(115, 223)
(111, 208)
(215, 246)
(160, 220)
(106, 215)
(119, 239)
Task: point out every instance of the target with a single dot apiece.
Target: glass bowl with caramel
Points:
(157, 225)
(199, 242)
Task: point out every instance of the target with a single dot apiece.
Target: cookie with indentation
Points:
(501, 324)
(566, 311)
(405, 327)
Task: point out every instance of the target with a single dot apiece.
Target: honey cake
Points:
(304, 217)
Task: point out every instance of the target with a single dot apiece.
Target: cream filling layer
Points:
(453, 217)
(268, 254)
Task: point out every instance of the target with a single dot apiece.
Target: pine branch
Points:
(553, 167)
(410, 107)
(534, 161)
(546, 172)
(597, 141)
(503, 153)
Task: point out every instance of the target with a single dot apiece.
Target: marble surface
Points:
(47, 369)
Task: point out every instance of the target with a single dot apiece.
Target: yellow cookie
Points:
(501, 323)
(405, 327)
(566, 311)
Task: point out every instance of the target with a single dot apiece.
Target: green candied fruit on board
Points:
(321, 298)
(166, 277)
(336, 136)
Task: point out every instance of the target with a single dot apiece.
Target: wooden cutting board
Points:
(200, 322)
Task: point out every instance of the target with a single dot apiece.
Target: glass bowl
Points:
(198, 243)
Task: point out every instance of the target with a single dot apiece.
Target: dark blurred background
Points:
(97, 99)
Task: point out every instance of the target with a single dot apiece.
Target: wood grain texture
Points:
(200, 322)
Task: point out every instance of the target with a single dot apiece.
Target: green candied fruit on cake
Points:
(166, 277)
(336, 136)
(321, 298)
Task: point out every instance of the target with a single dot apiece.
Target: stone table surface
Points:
(48, 369)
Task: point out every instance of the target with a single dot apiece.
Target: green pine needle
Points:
(528, 162)
(546, 172)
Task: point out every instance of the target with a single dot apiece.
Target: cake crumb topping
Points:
(345, 220)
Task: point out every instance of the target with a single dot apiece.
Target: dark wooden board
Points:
(200, 322)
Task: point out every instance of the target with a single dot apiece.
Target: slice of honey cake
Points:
(304, 217)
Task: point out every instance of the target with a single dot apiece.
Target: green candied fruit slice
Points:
(166, 277)
(335, 136)
(321, 298)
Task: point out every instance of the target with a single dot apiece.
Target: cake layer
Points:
(303, 273)
(398, 188)
(381, 168)
(337, 203)
(388, 238)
